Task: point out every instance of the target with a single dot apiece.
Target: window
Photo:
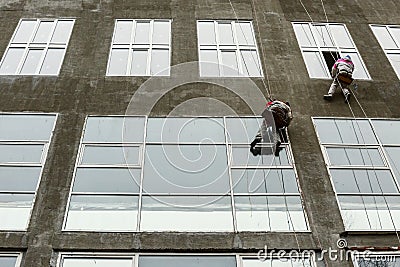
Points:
(321, 44)
(24, 141)
(176, 260)
(389, 39)
(163, 174)
(362, 156)
(37, 47)
(228, 49)
(376, 259)
(10, 259)
(140, 48)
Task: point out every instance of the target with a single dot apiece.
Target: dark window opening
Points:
(330, 58)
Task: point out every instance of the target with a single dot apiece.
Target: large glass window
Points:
(228, 49)
(389, 38)
(362, 156)
(322, 44)
(10, 259)
(140, 48)
(177, 260)
(181, 174)
(37, 47)
(24, 142)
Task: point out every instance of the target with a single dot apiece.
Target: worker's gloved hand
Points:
(255, 142)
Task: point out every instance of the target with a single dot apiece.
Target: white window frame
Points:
(135, 256)
(18, 255)
(236, 47)
(388, 51)
(46, 144)
(148, 47)
(228, 144)
(342, 51)
(384, 157)
(40, 46)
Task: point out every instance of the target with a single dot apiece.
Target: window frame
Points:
(235, 47)
(18, 255)
(143, 194)
(150, 47)
(385, 158)
(335, 48)
(30, 45)
(37, 164)
(387, 51)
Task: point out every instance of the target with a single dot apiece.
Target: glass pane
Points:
(161, 32)
(252, 213)
(21, 153)
(8, 261)
(107, 213)
(229, 64)
(15, 211)
(178, 213)
(341, 35)
(62, 32)
(241, 156)
(31, 64)
(111, 180)
(388, 131)
(44, 31)
(97, 262)
(250, 63)
(395, 61)
(111, 155)
(18, 178)
(242, 130)
(315, 65)
(354, 156)
(186, 168)
(360, 71)
(225, 33)
(11, 61)
(26, 127)
(209, 66)
(264, 181)
(244, 32)
(303, 34)
(322, 36)
(363, 181)
(206, 32)
(344, 131)
(159, 62)
(139, 62)
(52, 61)
(24, 31)
(395, 31)
(393, 154)
(114, 129)
(187, 261)
(384, 37)
(123, 32)
(118, 62)
(277, 262)
(142, 32)
(193, 130)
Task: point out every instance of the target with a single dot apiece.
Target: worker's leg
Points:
(257, 139)
(332, 89)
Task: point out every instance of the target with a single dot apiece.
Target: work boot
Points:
(328, 97)
(347, 97)
(255, 151)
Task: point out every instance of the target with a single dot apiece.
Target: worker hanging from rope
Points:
(277, 117)
(342, 72)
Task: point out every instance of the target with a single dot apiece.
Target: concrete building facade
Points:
(82, 88)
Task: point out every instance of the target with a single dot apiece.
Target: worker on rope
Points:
(342, 72)
(281, 118)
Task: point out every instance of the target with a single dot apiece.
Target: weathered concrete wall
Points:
(82, 89)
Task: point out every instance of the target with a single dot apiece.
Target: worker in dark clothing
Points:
(281, 118)
(342, 72)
